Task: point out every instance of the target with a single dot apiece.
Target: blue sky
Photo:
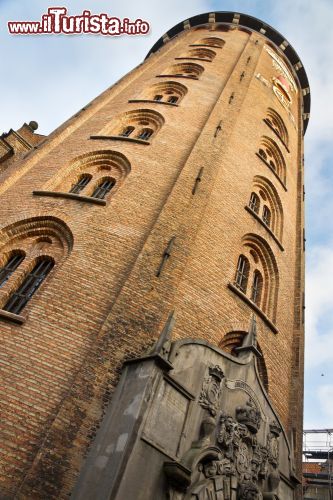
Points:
(49, 78)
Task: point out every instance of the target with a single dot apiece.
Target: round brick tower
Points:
(179, 188)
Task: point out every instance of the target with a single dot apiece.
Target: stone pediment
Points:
(190, 422)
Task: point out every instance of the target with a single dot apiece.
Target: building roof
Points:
(312, 467)
(238, 19)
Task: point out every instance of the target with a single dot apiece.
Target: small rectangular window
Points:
(103, 189)
(173, 99)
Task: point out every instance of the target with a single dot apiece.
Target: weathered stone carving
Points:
(247, 490)
(249, 415)
(228, 461)
(211, 390)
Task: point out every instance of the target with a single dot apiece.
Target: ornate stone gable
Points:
(195, 424)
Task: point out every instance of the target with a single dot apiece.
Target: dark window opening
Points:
(12, 264)
(266, 215)
(256, 288)
(81, 184)
(29, 286)
(263, 154)
(254, 203)
(158, 97)
(145, 134)
(103, 189)
(242, 273)
(126, 131)
(173, 99)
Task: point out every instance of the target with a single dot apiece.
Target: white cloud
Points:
(325, 395)
(50, 78)
(319, 320)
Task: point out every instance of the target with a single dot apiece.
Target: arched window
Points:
(137, 124)
(275, 122)
(254, 202)
(269, 199)
(186, 70)
(126, 132)
(11, 265)
(163, 92)
(266, 215)
(256, 287)
(257, 265)
(29, 286)
(242, 273)
(270, 153)
(43, 243)
(173, 99)
(212, 41)
(234, 339)
(199, 54)
(80, 178)
(81, 184)
(103, 188)
(145, 134)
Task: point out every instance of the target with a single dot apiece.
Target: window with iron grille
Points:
(242, 273)
(256, 288)
(158, 97)
(81, 184)
(29, 286)
(266, 215)
(145, 134)
(126, 132)
(103, 188)
(173, 99)
(254, 202)
(12, 264)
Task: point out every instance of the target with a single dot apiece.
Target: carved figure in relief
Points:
(248, 491)
(228, 462)
(211, 390)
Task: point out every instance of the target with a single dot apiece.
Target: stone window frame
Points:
(268, 196)
(198, 54)
(209, 41)
(165, 89)
(233, 339)
(36, 238)
(275, 122)
(270, 153)
(138, 119)
(97, 163)
(189, 70)
(260, 257)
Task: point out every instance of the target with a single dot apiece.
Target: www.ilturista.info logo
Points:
(56, 21)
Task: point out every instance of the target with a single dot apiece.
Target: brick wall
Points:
(103, 302)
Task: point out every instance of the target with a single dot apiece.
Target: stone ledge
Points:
(118, 138)
(152, 101)
(193, 59)
(188, 77)
(273, 171)
(205, 45)
(256, 216)
(253, 306)
(13, 318)
(70, 196)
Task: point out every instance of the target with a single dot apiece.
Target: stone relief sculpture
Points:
(228, 461)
